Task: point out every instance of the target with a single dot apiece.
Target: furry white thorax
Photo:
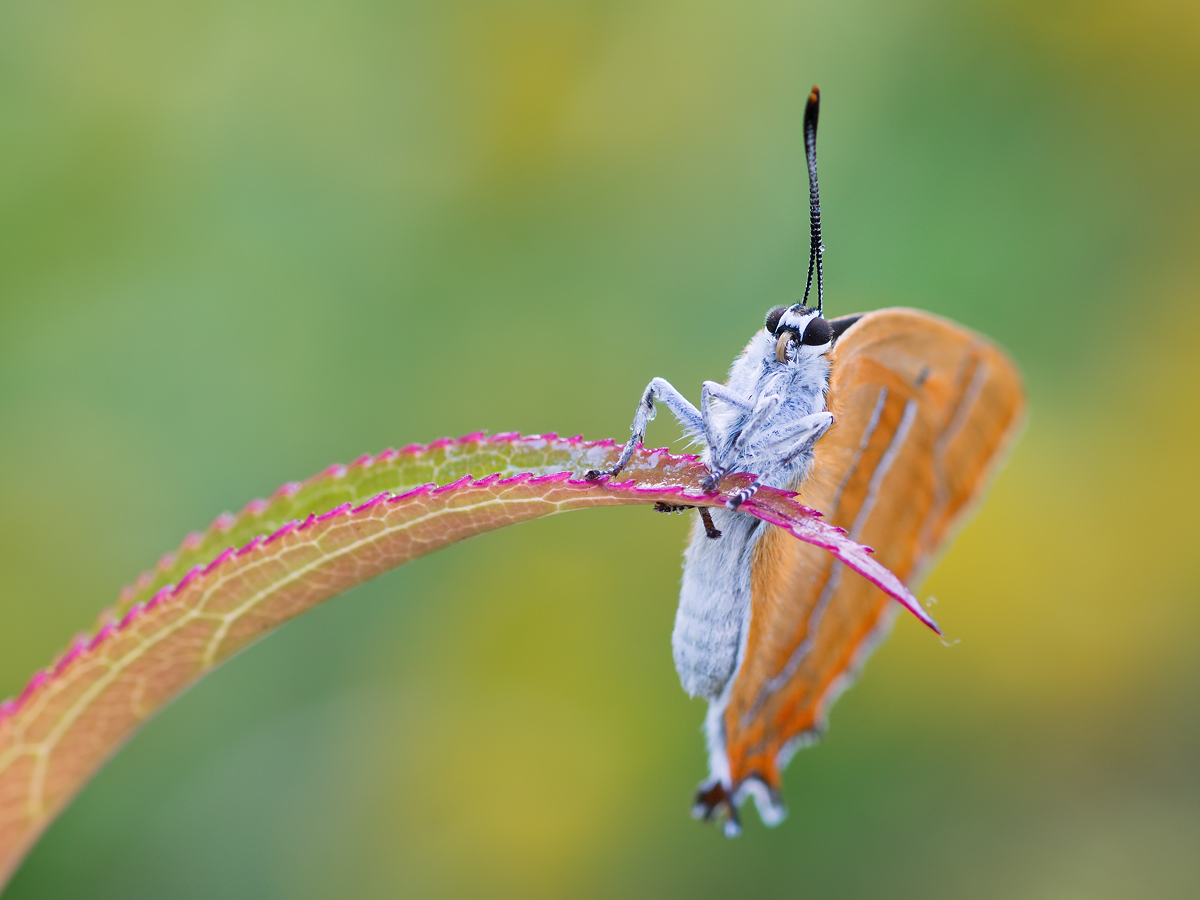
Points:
(713, 619)
(756, 376)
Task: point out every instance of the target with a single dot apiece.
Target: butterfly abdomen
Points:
(714, 604)
(714, 601)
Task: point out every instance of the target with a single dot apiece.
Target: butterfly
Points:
(889, 422)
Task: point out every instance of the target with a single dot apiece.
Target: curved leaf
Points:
(248, 573)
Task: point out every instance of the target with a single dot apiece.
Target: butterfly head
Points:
(798, 332)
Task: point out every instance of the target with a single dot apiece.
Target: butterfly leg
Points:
(743, 495)
(710, 530)
(800, 436)
(714, 802)
(763, 411)
(785, 445)
(659, 389)
(708, 393)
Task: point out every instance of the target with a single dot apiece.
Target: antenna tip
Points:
(812, 108)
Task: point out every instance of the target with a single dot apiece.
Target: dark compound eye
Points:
(773, 318)
(817, 332)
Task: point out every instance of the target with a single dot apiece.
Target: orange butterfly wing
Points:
(924, 410)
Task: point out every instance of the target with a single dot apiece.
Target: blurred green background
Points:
(241, 241)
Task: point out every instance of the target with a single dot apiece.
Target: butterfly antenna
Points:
(815, 248)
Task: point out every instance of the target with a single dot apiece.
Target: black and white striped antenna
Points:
(815, 248)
